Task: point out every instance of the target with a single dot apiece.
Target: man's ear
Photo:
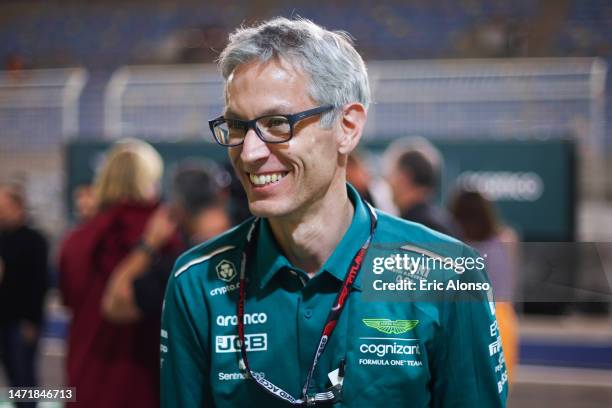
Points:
(352, 121)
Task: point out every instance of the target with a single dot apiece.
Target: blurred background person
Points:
(481, 228)
(413, 173)
(112, 365)
(358, 174)
(84, 202)
(238, 203)
(197, 211)
(199, 201)
(24, 280)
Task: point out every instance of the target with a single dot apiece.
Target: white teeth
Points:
(266, 178)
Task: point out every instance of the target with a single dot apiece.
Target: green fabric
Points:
(440, 357)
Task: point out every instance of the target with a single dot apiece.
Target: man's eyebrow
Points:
(230, 114)
(281, 109)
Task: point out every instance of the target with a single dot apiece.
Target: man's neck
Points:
(309, 238)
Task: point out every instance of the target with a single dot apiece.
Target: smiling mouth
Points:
(261, 180)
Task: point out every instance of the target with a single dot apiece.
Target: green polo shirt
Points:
(408, 351)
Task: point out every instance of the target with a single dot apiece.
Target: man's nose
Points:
(253, 148)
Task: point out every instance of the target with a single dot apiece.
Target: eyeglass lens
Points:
(270, 129)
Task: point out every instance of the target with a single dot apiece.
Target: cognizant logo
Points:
(381, 350)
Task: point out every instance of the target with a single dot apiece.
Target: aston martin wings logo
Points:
(389, 326)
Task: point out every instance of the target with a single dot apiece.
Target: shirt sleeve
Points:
(468, 368)
(183, 353)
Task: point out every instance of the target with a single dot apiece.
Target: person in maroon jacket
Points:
(111, 364)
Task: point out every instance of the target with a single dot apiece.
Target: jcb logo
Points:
(231, 344)
(226, 271)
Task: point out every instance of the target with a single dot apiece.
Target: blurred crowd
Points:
(114, 263)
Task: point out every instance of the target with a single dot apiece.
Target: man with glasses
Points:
(274, 312)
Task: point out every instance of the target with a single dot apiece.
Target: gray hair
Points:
(337, 72)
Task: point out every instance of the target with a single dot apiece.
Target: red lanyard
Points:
(328, 328)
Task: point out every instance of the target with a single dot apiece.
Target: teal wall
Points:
(533, 182)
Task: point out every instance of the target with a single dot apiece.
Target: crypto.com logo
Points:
(226, 271)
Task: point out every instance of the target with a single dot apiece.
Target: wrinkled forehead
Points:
(262, 88)
(290, 65)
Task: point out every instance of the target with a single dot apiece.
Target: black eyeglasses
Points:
(269, 128)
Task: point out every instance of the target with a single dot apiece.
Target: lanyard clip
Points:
(336, 377)
(332, 395)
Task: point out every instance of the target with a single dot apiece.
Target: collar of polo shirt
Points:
(269, 259)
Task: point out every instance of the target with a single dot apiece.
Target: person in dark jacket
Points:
(23, 283)
(414, 176)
